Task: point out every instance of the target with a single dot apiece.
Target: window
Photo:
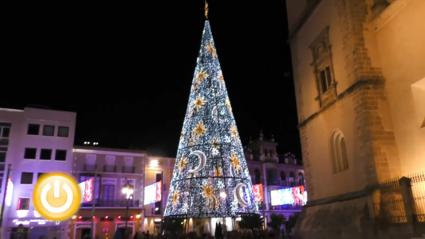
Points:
(23, 204)
(271, 176)
(282, 178)
(325, 79)
(338, 152)
(291, 179)
(46, 154)
(26, 178)
(49, 130)
(63, 131)
(257, 176)
(323, 68)
(30, 153)
(2, 157)
(39, 175)
(108, 195)
(300, 179)
(33, 129)
(60, 155)
(4, 131)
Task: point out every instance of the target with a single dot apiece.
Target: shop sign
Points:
(34, 221)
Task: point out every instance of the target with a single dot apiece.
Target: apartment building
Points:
(33, 141)
(112, 169)
(157, 169)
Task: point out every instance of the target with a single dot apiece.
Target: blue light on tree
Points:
(211, 177)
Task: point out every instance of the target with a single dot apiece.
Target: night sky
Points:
(127, 69)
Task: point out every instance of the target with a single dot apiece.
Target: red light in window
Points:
(119, 216)
(131, 217)
(19, 204)
(106, 217)
(79, 217)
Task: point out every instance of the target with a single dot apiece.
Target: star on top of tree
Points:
(199, 129)
(175, 198)
(234, 131)
(210, 49)
(199, 102)
(235, 162)
(209, 193)
(200, 77)
(182, 163)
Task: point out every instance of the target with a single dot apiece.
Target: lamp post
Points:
(127, 190)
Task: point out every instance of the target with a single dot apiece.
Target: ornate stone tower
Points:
(357, 81)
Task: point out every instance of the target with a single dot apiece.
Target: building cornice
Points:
(359, 84)
(302, 19)
(117, 152)
(389, 13)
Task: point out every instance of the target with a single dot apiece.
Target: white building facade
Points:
(34, 142)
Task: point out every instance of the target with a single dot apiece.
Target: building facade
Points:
(33, 141)
(157, 169)
(112, 168)
(272, 172)
(360, 88)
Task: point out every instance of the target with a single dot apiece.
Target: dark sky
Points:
(127, 69)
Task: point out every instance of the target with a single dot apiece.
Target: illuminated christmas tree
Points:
(211, 177)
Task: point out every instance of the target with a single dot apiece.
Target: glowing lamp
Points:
(138, 216)
(73, 217)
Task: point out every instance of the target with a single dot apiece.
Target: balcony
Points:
(286, 207)
(110, 168)
(89, 167)
(128, 169)
(113, 203)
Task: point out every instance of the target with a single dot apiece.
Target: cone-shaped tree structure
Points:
(211, 177)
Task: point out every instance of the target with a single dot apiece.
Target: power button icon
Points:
(57, 196)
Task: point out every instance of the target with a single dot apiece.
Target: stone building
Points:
(359, 75)
(273, 172)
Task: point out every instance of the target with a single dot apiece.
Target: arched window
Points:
(282, 178)
(271, 176)
(291, 179)
(338, 152)
(257, 176)
(300, 179)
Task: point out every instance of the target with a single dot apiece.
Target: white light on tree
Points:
(210, 177)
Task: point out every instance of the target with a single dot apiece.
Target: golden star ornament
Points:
(199, 129)
(182, 163)
(220, 76)
(215, 143)
(200, 77)
(209, 194)
(199, 102)
(217, 171)
(228, 104)
(234, 131)
(235, 162)
(210, 49)
(175, 199)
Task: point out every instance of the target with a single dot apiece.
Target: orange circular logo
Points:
(57, 196)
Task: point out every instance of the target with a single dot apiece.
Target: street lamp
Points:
(127, 190)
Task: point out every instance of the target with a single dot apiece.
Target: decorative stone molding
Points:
(389, 13)
(323, 68)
